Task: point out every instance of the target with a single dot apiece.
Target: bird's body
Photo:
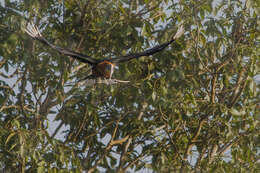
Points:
(103, 68)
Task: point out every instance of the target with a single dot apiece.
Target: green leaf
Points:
(153, 95)
(234, 111)
(16, 123)
(41, 168)
(129, 30)
(10, 136)
(144, 31)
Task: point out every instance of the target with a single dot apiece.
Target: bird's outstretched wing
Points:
(148, 52)
(34, 32)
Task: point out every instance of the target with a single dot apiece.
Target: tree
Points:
(190, 108)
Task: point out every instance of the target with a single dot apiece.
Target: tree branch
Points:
(133, 162)
(123, 153)
(213, 88)
(193, 139)
(109, 146)
(223, 149)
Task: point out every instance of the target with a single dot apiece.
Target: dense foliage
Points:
(190, 108)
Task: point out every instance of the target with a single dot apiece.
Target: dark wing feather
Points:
(35, 33)
(148, 52)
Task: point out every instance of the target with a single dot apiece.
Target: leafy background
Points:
(192, 108)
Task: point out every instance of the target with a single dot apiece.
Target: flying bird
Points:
(101, 68)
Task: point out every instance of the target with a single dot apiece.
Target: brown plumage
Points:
(103, 68)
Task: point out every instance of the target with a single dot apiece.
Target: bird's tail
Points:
(33, 31)
(179, 32)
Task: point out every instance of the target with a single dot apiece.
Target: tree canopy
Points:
(190, 108)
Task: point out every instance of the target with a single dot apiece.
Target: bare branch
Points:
(57, 129)
(212, 153)
(133, 162)
(238, 89)
(213, 88)
(119, 141)
(193, 139)
(123, 153)
(8, 107)
(226, 147)
(109, 146)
